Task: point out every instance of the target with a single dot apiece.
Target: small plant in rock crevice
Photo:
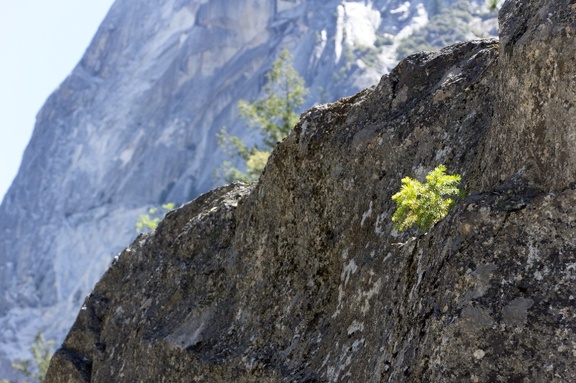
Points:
(421, 205)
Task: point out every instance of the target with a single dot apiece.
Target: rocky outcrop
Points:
(540, 110)
(135, 123)
(300, 278)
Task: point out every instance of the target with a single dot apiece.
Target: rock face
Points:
(541, 108)
(300, 278)
(135, 125)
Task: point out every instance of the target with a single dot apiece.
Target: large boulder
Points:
(301, 278)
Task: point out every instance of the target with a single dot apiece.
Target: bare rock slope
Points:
(300, 277)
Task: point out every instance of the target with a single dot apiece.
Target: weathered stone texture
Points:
(300, 278)
(536, 120)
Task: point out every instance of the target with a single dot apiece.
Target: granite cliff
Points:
(300, 277)
(135, 123)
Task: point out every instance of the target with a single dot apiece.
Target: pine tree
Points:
(493, 5)
(273, 116)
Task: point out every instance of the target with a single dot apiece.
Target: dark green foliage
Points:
(421, 205)
(493, 5)
(273, 116)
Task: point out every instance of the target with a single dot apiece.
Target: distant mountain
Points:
(135, 123)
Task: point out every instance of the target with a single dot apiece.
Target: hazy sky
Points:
(40, 43)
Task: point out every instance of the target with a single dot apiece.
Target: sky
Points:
(41, 41)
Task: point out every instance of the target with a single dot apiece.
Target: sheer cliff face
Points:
(300, 277)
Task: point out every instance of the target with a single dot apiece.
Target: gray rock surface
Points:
(300, 278)
(541, 109)
(134, 125)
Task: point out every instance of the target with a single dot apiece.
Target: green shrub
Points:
(36, 368)
(493, 5)
(421, 205)
(150, 221)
